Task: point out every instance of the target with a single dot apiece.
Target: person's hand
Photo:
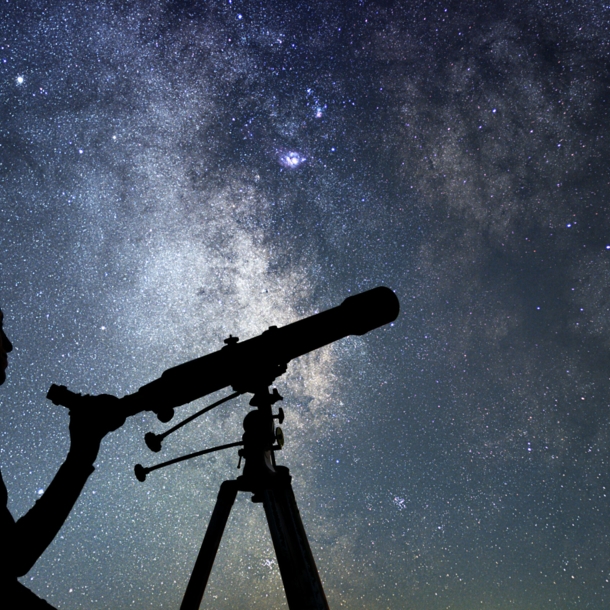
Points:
(90, 420)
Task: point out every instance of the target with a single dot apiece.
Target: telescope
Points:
(249, 365)
(252, 366)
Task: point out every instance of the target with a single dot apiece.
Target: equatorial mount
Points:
(261, 437)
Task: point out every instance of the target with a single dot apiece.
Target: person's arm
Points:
(32, 534)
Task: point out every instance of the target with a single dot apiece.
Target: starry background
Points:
(173, 172)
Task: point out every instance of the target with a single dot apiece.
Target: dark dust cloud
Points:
(175, 172)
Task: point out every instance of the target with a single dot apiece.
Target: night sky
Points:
(175, 172)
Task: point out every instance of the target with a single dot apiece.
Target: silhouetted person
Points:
(23, 541)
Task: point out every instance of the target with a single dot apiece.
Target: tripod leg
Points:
(300, 576)
(211, 541)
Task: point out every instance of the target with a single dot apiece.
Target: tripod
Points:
(271, 486)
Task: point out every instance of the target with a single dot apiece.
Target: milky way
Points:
(175, 172)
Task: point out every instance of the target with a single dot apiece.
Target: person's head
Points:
(5, 347)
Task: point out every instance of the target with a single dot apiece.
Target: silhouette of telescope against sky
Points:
(252, 366)
(256, 362)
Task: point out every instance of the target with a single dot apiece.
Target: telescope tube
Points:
(249, 365)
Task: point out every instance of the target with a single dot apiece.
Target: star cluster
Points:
(175, 172)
